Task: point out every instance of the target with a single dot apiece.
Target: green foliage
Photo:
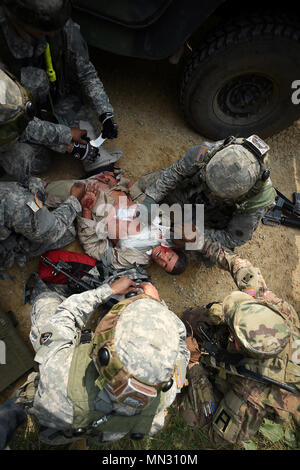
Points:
(271, 431)
(175, 435)
(250, 445)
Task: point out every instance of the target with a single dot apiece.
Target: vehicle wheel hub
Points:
(245, 96)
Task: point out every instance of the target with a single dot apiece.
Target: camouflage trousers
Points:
(236, 419)
(22, 159)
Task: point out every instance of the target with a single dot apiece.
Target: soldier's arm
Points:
(57, 330)
(94, 244)
(244, 274)
(187, 166)
(75, 311)
(170, 177)
(247, 277)
(48, 134)
(85, 72)
(39, 225)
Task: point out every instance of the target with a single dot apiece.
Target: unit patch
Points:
(45, 337)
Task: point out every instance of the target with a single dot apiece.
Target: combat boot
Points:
(33, 287)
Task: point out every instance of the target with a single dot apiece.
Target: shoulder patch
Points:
(33, 206)
(201, 153)
(45, 337)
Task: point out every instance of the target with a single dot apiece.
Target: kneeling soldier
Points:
(249, 364)
(114, 383)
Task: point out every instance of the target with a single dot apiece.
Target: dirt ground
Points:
(152, 135)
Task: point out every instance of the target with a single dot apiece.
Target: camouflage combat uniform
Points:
(61, 396)
(76, 75)
(242, 403)
(229, 223)
(27, 228)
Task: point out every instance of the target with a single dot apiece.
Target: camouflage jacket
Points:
(230, 224)
(80, 76)
(56, 326)
(27, 228)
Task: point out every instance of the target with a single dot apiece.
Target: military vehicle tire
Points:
(239, 82)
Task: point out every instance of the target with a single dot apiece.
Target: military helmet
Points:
(137, 347)
(16, 108)
(258, 327)
(45, 15)
(232, 172)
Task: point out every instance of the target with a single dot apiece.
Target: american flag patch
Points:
(201, 153)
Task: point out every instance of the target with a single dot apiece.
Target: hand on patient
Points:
(89, 199)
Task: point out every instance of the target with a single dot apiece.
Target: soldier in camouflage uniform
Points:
(114, 383)
(27, 228)
(262, 333)
(231, 178)
(68, 92)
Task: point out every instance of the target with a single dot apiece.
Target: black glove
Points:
(11, 416)
(82, 151)
(109, 128)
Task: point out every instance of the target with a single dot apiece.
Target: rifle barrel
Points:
(76, 281)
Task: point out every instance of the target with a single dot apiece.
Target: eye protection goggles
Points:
(133, 393)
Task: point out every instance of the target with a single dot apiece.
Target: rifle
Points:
(63, 268)
(89, 281)
(233, 362)
(285, 212)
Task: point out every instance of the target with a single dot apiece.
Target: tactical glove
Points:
(109, 128)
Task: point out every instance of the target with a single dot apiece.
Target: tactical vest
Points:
(281, 368)
(82, 391)
(218, 214)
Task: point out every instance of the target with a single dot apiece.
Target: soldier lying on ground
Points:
(65, 94)
(231, 178)
(252, 330)
(115, 383)
(109, 229)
